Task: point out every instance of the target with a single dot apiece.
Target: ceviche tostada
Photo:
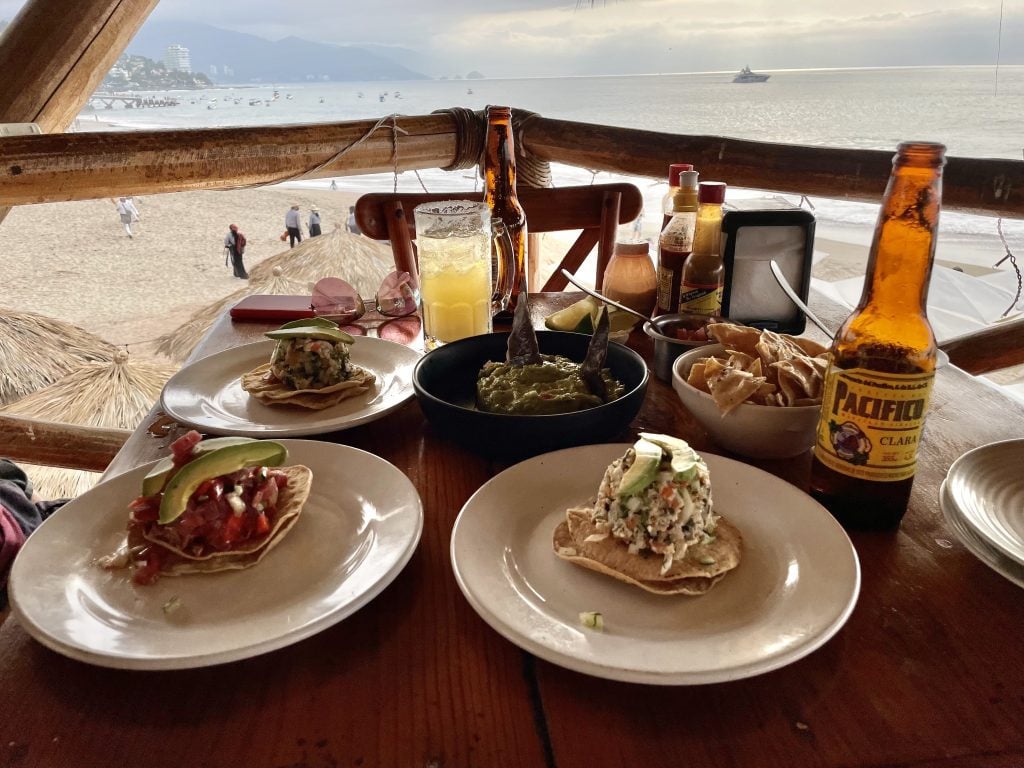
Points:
(652, 524)
(212, 505)
(310, 367)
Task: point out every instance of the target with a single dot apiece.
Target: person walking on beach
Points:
(128, 212)
(350, 223)
(314, 221)
(291, 223)
(234, 243)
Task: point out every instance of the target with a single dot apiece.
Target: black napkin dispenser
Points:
(754, 232)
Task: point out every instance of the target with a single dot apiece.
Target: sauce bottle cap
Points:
(674, 170)
(712, 192)
(643, 248)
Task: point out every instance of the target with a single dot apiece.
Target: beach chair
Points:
(596, 211)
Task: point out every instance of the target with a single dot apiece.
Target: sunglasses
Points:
(398, 296)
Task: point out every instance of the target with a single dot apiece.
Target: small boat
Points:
(255, 102)
(359, 95)
(321, 99)
(469, 91)
(211, 106)
(747, 76)
(287, 95)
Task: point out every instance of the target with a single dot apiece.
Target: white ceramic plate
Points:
(357, 531)
(987, 487)
(795, 586)
(976, 545)
(208, 394)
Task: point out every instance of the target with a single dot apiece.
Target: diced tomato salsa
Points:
(223, 514)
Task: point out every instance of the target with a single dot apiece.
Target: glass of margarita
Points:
(454, 241)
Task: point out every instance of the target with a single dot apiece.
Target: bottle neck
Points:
(500, 164)
(708, 236)
(903, 249)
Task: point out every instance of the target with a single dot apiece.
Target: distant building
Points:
(228, 71)
(177, 58)
(213, 70)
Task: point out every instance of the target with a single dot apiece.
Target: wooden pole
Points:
(973, 185)
(85, 166)
(59, 445)
(52, 168)
(54, 56)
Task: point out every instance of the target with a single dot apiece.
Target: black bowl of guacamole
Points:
(445, 382)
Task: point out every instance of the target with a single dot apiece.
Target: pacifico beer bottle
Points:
(882, 364)
(500, 193)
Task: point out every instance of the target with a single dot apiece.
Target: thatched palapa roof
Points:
(116, 393)
(36, 350)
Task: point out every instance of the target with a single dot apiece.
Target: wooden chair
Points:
(597, 210)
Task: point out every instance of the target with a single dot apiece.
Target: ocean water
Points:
(974, 111)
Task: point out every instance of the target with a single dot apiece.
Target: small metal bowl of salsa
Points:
(675, 334)
(445, 384)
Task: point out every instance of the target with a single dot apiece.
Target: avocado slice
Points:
(154, 482)
(684, 459)
(305, 322)
(643, 470)
(222, 461)
(310, 332)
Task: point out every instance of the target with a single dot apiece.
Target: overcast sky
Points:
(547, 37)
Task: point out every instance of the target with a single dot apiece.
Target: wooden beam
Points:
(35, 169)
(85, 166)
(54, 56)
(59, 445)
(999, 346)
(973, 185)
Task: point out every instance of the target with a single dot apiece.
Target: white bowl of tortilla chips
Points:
(757, 393)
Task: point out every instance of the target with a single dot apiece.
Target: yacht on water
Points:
(747, 76)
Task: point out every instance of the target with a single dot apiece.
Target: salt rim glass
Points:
(397, 296)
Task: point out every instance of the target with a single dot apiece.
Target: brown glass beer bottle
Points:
(500, 193)
(882, 365)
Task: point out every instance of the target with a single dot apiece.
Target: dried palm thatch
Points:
(359, 260)
(182, 340)
(117, 393)
(36, 351)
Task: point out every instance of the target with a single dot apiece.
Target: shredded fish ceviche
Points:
(665, 517)
(310, 363)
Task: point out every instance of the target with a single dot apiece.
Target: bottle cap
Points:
(712, 192)
(674, 170)
(642, 248)
(688, 180)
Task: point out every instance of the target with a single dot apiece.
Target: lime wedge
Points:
(572, 317)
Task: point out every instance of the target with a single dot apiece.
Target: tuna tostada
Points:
(652, 523)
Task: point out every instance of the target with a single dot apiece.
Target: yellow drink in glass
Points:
(455, 286)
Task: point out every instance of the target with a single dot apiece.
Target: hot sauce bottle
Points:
(703, 278)
(879, 380)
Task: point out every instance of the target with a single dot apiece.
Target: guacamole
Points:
(553, 385)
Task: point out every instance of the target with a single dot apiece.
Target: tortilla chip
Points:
(269, 390)
(696, 377)
(735, 337)
(290, 503)
(733, 387)
(687, 576)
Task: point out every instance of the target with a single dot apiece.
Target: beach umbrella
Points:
(116, 393)
(359, 260)
(36, 350)
(179, 343)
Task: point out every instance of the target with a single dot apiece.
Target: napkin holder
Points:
(754, 232)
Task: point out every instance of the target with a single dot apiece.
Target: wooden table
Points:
(927, 672)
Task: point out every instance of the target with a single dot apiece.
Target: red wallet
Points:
(272, 307)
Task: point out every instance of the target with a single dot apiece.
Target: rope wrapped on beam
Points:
(471, 144)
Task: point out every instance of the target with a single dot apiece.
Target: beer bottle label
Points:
(870, 424)
(701, 299)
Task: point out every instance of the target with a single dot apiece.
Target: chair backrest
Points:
(597, 210)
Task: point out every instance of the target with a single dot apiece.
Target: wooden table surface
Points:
(928, 671)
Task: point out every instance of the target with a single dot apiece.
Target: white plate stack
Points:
(982, 498)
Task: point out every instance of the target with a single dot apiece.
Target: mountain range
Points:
(249, 58)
